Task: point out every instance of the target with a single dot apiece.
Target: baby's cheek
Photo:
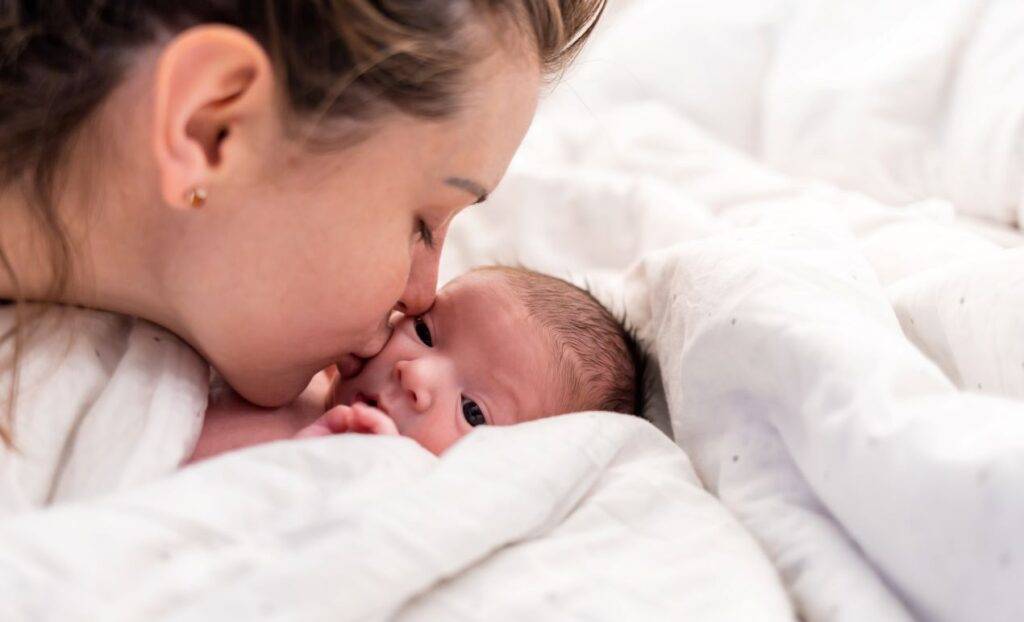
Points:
(435, 438)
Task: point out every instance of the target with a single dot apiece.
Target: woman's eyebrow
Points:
(474, 188)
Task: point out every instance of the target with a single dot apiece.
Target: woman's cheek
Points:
(357, 296)
(391, 276)
(380, 285)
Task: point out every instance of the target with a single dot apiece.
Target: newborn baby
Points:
(500, 346)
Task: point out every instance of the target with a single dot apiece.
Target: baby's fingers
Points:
(370, 420)
(358, 418)
(334, 421)
(345, 419)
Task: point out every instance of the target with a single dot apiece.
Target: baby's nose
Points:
(414, 384)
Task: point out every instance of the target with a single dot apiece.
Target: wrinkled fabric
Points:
(103, 402)
(845, 374)
(587, 516)
(903, 100)
(835, 349)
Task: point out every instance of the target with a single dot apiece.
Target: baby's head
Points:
(500, 346)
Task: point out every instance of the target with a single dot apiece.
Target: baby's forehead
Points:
(491, 294)
(478, 278)
(484, 288)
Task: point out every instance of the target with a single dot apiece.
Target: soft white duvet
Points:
(842, 372)
(585, 517)
(903, 100)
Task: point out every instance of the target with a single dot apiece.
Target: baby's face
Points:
(476, 358)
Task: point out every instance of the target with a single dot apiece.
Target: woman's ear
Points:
(214, 95)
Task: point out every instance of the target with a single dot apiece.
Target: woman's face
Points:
(298, 266)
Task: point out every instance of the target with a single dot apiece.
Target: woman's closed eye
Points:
(424, 232)
(423, 332)
(472, 413)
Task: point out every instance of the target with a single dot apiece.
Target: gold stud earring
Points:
(196, 198)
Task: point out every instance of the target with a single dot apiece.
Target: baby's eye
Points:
(423, 332)
(472, 413)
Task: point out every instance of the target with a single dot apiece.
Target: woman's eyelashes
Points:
(423, 332)
(424, 232)
(472, 413)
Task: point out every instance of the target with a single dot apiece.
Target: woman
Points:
(267, 179)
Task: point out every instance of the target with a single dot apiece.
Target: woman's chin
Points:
(270, 390)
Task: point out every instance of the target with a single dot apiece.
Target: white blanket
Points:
(591, 516)
(903, 100)
(844, 372)
(879, 486)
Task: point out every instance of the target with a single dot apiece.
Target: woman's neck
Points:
(107, 264)
(25, 270)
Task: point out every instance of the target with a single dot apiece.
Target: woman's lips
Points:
(349, 366)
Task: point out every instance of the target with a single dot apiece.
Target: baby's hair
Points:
(599, 356)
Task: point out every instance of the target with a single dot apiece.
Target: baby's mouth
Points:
(370, 401)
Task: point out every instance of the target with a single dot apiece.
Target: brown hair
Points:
(599, 361)
(333, 59)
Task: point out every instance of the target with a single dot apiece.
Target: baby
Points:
(500, 346)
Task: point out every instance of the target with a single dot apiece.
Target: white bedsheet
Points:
(592, 516)
(844, 372)
(903, 100)
(802, 333)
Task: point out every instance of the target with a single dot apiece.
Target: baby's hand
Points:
(358, 418)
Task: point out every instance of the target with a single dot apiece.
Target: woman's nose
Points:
(414, 379)
(421, 286)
